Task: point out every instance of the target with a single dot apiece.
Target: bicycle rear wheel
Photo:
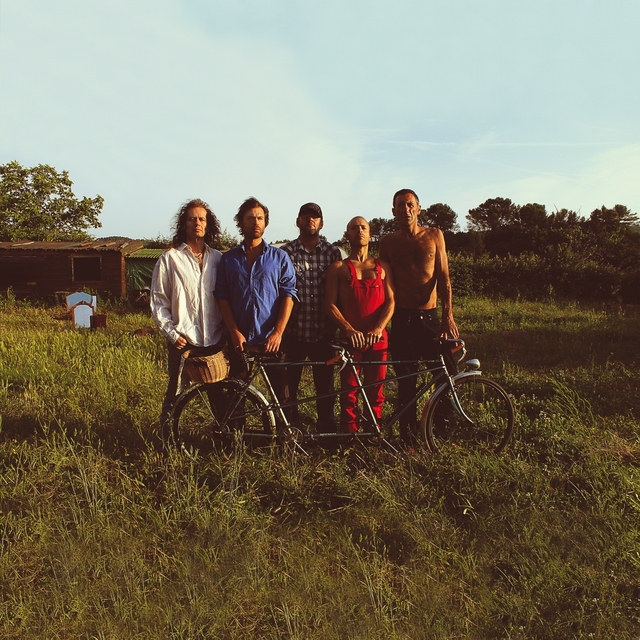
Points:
(210, 413)
(486, 421)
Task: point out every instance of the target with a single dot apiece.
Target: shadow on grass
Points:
(118, 438)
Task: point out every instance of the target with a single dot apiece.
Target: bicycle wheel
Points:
(209, 413)
(485, 423)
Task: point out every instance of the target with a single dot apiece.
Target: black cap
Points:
(312, 209)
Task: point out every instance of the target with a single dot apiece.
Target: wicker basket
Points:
(205, 368)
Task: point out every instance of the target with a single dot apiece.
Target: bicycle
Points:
(464, 410)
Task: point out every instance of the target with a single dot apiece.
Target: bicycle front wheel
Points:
(210, 413)
(476, 415)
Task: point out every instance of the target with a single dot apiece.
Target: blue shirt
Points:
(254, 295)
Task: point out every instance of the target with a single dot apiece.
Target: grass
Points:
(102, 537)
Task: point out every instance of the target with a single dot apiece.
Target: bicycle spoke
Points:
(479, 417)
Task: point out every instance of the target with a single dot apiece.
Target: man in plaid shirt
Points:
(309, 330)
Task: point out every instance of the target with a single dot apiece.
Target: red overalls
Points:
(361, 310)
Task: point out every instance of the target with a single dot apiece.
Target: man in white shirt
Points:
(182, 301)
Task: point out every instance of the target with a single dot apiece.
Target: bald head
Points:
(358, 232)
(358, 220)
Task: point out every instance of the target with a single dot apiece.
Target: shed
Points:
(42, 269)
(140, 266)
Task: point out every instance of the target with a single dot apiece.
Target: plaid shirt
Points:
(308, 320)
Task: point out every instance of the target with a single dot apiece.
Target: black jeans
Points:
(320, 351)
(174, 360)
(412, 338)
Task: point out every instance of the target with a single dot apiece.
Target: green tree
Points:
(612, 236)
(604, 221)
(532, 215)
(379, 227)
(39, 204)
(492, 214)
(564, 219)
(439, 215)
(227, 241)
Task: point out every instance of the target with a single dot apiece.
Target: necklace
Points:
(198, 256)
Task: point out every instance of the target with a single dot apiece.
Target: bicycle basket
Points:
(205, 368)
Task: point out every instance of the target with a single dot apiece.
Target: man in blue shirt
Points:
(255, 289)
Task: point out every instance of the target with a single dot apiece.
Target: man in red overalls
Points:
(359, 299)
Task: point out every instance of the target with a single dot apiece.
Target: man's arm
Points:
(237, 339)
(448, 325)
(161, 288)
(387, 309)
(331, 295)
(287, 295)
(273, 340)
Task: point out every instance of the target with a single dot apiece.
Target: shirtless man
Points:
(359, 299)
(417, 257)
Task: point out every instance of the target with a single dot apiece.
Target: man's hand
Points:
(448, 327)
(181, 342)
(357, 338)
(375, 335)
(237, 340)
(272, 343)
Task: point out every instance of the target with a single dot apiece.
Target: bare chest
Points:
(413, 256)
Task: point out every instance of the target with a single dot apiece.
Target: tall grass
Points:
(103, 537)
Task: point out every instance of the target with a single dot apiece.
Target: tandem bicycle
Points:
(465, 410)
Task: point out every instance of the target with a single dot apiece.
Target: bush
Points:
(533, 277)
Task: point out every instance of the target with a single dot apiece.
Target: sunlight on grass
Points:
(103, 536)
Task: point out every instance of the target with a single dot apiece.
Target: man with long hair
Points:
(182, 301)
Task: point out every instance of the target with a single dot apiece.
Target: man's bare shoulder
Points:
(399, 240)
(335, 268)
(385, 266)
(390, 238)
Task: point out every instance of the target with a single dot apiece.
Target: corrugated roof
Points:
(146, 253)
(125, 247)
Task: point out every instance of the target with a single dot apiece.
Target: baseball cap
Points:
(312, 209)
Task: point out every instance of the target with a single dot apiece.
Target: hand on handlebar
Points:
(357, 339)
(360, 340)
(272, 342)
(238, 341)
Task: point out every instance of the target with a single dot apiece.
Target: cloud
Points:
(606, 178)
(149, 103)
(159, 113)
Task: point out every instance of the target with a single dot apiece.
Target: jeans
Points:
(412, 338)
(299, 351)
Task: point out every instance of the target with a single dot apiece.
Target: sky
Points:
(150, 103)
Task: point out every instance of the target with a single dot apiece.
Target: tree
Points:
(38, 204)
(439, 215)
(227, 241)
(606, 221)
(564, 219)
(532, 215)
(379, 227)
(492, 214)
(613, 236)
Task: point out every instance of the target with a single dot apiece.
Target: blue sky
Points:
(151, 103)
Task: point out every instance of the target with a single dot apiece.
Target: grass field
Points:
(103, 537)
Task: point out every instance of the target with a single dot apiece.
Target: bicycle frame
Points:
(440, 379)
(464, 409)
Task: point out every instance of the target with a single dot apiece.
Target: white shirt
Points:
(182, 301)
